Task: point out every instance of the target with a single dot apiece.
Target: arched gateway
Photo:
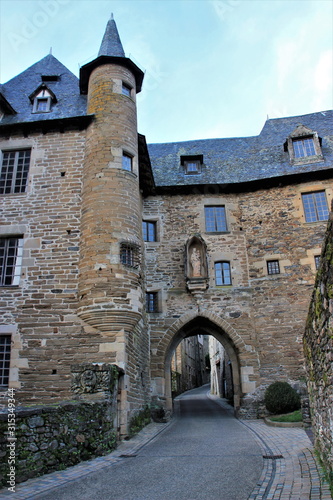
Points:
(243, 357)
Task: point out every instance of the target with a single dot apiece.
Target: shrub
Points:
(280, 397)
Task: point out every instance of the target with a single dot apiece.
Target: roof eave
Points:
(86, 70)
(44, 126)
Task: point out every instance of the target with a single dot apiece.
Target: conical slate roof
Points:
(111, 44)
(111, 51)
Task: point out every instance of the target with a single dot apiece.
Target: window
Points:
(42, 102)
(126, 90)
(222, 273)
(304, 147)
(317, 261)
(10, 260)
(42, 105)
(215, 219)
(192, 163)
(14, 171)
(152, 302)
(127, 162)
(315, 206)
(273, 267)
(5, 347)
(129, 255)
(192, 167)
(149, 231)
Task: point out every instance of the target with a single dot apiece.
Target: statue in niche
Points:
(196, 264)
(195, 260)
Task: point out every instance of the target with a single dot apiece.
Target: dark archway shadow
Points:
(204, 326)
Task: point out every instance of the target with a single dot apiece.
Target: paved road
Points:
(204, 454)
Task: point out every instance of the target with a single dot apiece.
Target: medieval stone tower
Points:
(110, 270)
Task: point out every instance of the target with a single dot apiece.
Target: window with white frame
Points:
(315, 206)
(5, 348)
(222, 273)
(14, 171)
(11, 250)
(42, 102)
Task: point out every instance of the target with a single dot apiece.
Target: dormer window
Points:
(192, 164)
(303, 146)
(42, 102)
(42, 99)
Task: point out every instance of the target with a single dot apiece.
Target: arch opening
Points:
(203, 326)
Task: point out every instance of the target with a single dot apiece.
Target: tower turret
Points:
(110, 293)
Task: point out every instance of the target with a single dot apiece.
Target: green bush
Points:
(280, 397)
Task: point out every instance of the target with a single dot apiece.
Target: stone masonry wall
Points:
(266, 313)
(52, 438)
(318, 349)
(40, 313)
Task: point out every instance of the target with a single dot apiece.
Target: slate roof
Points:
(17, 91)
(244, 159)
(111, 44)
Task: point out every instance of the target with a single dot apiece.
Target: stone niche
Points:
(91, 381)
(196, 264)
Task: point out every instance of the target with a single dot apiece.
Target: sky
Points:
(213, 68)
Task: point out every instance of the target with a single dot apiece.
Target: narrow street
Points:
(204, 454)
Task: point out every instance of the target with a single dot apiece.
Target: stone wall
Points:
(318, 349)
(54, 437)
(262, 316)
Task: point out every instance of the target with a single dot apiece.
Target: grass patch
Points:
(295, 416)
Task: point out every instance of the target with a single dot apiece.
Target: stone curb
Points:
(289, 425)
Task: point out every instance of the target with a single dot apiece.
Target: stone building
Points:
(189, 364)
(221, 381)
(112, 252)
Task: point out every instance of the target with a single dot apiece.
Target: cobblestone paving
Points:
(296, 476)
(290, 470)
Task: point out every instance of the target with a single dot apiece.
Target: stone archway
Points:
(243, 357)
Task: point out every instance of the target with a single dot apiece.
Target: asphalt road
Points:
(205, 454)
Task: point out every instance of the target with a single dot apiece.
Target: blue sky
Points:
(214, 68)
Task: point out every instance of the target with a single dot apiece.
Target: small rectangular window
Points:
(129, 255)
(152, 302)
(304, 147)
(273, 267)
(215, 219)
(42, 105)
(222, 273)
(11, 250)
(5, 348)
(149, 230)
(127, 162)
(315, 206)
(126, 90)
(192, 167)
(14, 171)
(317, 261)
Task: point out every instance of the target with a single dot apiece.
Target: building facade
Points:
(112, 252)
